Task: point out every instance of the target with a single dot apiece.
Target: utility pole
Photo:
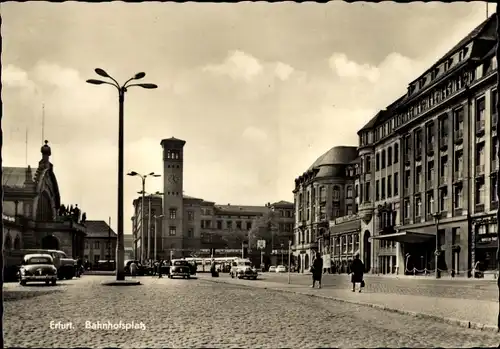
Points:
(109, 239)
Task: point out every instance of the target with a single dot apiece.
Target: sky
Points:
(257, 90)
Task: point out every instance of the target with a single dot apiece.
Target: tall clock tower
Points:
(173, 160)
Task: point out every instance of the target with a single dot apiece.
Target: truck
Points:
(66, 267)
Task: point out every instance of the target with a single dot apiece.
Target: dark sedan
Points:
(38, 268)
(180, 268)
(141, 270)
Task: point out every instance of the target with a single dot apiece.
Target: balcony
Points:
(458, 136)
(443, 142)
(418, 188)
(494, 166)
(480, 125)
(479, 208)
(443, 180)
(430, 148)
(479, 170)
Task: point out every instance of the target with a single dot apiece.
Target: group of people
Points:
(357, 269)
(72, 213)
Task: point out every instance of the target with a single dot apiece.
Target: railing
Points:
(443, 141)
(480, 169)
(458, 134)
(480, 124)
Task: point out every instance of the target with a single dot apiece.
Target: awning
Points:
(346, 227)
(405, 237)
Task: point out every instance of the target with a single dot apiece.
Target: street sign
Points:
(261, 244)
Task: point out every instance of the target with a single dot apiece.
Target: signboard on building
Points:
(261, 244)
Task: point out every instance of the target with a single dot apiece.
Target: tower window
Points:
(173, 213)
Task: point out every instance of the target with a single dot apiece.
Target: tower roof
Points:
(172, 141)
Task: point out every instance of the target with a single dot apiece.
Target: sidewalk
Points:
(462, 312)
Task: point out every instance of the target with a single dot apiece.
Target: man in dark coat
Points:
(357, 270)
(317, 270)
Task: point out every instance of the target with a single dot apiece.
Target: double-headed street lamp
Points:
(120, 248)
(143, 192)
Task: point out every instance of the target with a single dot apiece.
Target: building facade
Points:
(322, 193)
(33, 215)
(100, 242)
(425, 179)
(153, 222)
(192, 226)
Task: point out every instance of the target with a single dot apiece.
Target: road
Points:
(199, 313)
(478, 289)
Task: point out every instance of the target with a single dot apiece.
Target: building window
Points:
(322, 212)
(430, 203)
(389, 156)
(238, 225)
(368, 164)
(493, 186)
(322, 194)
(190, 215)
(86, 244)
(389, 186)
(418, 206)
(249, 225)
(336, 193)
(430, 134)
(383, 188)
(349, 209)
(356, 190)
(443, 200)
(383, 158)
(367, 191)
(377, 162)
(458, 197)
(430, 172)
(173, 213)
(480, 108)
(349, 192)
(480, 199)
(96, 245)
(407, 209)
(396, 153)
(172, 230)
(219, 224)
(190, 233)
(229, 224)
(377, 190)
(396, 184)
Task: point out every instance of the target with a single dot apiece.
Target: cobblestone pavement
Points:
(198, 313)
(420, 286)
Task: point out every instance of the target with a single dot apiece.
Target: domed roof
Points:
(340, 155)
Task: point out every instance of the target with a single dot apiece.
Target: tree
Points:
(265, 227)
(233, 238)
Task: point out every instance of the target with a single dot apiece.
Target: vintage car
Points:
(242, 269)
(66, 267)
(141, 270)
(180, 268)
(38, 268)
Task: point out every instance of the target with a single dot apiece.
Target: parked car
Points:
(38, 268)
(281, 269)
(242, 269)
(180, 268)
(66, 267)
(272, 269)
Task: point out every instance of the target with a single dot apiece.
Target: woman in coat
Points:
(357, 270)
(317, 270)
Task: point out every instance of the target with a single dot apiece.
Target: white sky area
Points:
(257, 90)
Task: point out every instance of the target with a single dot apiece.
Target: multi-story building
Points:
(100, 242)
(322, 193)
(193, 226)
(153, 207)
(429, 166)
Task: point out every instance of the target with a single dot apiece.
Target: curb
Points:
(451, 321)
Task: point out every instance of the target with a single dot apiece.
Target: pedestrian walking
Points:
(317, 270)
(133, 269)
(357, 270)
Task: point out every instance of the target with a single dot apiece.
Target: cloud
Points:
(13, 76)
(349, 69)
(237, 65)
(283, 71)
(253, 134)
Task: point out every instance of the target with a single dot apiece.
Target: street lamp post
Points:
(143, 197)
(437, 252)
(120, 248)
(150, 197)
(156, 235)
